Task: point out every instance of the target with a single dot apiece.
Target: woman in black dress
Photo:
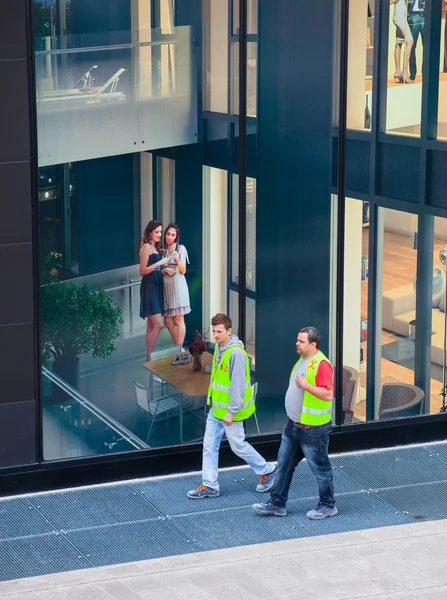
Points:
(151, 290)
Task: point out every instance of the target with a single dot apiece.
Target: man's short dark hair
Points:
(221, 319)
(313, 335)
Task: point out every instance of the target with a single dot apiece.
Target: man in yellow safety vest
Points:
(230, 396)
(308, 406)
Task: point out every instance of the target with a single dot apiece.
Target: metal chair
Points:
(154, 407)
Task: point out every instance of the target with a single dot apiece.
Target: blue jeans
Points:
(235, 433)
(417, 24)
(298, 443)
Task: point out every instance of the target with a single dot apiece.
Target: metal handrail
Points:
(123, 287)
(127, 435)
(128, 46)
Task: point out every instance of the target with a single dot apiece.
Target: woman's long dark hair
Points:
(147, 233)
(177, 239)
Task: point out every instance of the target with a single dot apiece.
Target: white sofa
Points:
(399, 308)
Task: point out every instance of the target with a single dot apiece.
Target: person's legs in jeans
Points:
(314, 443)
(236, 438)
(210, 457)
(416, 24)
(289, 456)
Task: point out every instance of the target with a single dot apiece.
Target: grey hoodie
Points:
(237, 373)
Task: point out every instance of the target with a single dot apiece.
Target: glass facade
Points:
(138, 124)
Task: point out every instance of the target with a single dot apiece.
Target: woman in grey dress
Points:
(176, 294)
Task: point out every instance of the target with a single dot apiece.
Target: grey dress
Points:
(176, 294)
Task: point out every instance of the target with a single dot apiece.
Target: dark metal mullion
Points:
(66, 215)
(230, 209)
(341, 205)
(155, 187)
(34, 178)
(242, 162)
(378, 114)
(425, 246)
(235, 288)
(430, 81)
(424, 283)
(229, 65)
(374, 289)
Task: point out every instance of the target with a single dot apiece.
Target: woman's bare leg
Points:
(397, 53)
(148, 335)
(407, 53)
(172, 329)
(181, 330)
(157, 326)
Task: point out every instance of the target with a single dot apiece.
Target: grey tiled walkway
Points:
(78, 530)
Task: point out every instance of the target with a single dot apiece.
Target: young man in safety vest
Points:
(231, 398)
(309, 408)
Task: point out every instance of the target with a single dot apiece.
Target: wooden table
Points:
(183, 377)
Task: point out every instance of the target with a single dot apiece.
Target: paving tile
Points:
(22, 596)
(161, 594)
(229, 591)
(142, 583)
(54, 594)
(118, 590)
(88, 591)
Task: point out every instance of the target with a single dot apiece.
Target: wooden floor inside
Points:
(399, 269)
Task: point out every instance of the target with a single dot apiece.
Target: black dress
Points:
(151, 290)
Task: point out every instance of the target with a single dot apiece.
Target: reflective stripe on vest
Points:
(219, 389)
(314, 411)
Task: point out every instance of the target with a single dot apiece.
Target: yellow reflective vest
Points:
(314, 411)
(219, 389)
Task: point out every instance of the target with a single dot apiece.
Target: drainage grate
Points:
(420, 502)
(237, 527)
(40, 555)
(169, 495)
(19, 518)
(151, 519)
(95, 506)
(362, 510)
(131, 542)
(403, 466)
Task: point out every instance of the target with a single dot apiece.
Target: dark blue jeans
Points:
(298, 443)
(417, 24)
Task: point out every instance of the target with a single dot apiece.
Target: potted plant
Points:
(74, 321)
(196, 348)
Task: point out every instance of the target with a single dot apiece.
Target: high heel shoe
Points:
(398, 77)
(407, 80)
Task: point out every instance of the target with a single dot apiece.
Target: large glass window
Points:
(405, 65)
(216, 55)
(355, 310)
(442, 100)
(360, 64)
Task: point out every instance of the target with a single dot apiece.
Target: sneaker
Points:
(266, 481)
(269, 509)
(321, 512)
(203, 491)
